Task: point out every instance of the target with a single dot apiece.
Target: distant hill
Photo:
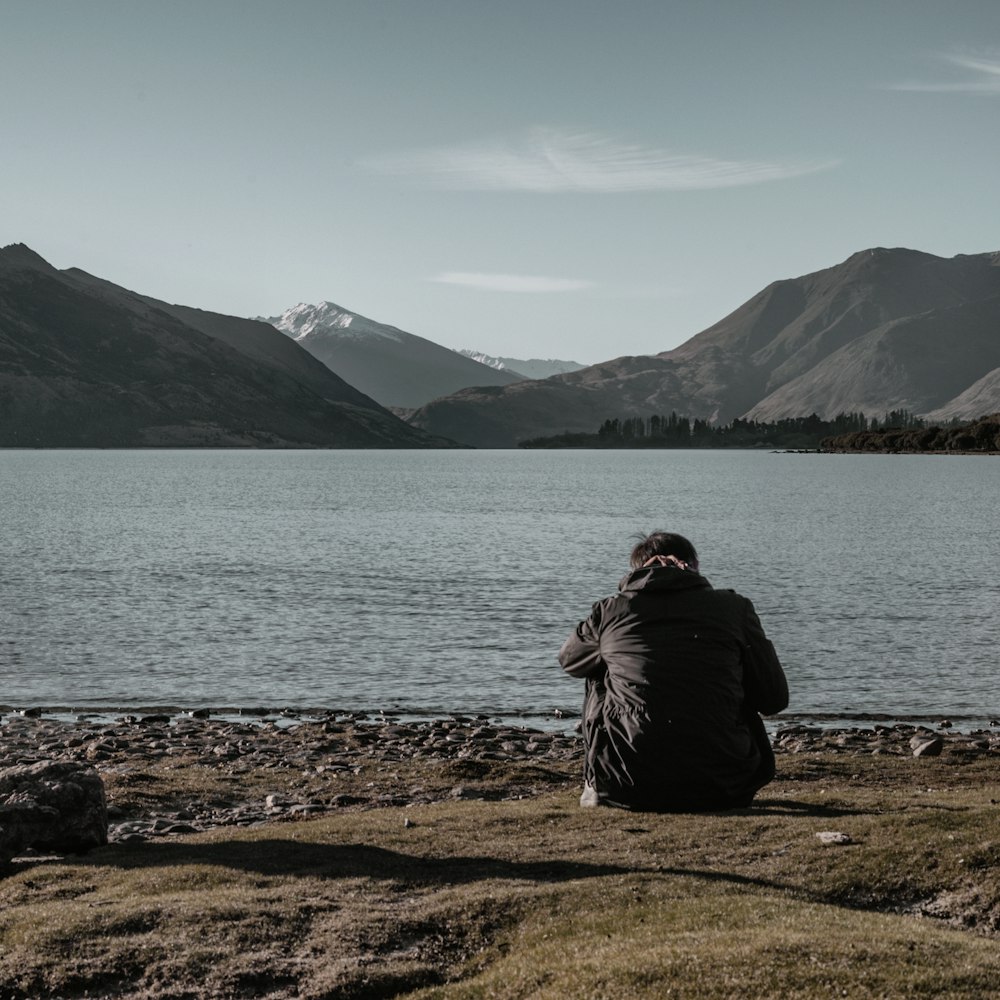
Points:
(884, 330)
(982, 397)
(86, 363)
(528, 367)
(396, 368)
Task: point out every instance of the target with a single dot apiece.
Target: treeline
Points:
(673, 431)
(982, 435)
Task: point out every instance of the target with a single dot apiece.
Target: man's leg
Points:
(593, 710)
(767, 768)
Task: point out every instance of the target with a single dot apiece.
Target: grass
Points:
(536, 897)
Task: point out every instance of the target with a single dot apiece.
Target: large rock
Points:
(54, 806)
(924, 745)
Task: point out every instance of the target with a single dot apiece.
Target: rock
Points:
(927, 746)
(55, 806)
(131, 832)
(306, 808)
(465, 792)
(346, 800)
(834, 837)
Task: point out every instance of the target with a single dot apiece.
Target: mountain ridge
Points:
(86, 363)
(526, 367)
(771, 357)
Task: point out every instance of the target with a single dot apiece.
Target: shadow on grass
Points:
(288, 858)
(760, 807)
(278, 857)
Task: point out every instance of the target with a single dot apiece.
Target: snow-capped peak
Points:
(305, 319)
(484, 359)
(526, 367)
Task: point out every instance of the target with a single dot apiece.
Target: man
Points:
(676, 674)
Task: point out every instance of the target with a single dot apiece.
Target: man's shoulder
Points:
(720, 600)
(730, 596)
(604, 604)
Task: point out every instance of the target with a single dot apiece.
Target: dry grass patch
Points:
(726, 943)
(538, 898)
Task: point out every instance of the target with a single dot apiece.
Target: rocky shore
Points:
(183, 774)
(169, 775)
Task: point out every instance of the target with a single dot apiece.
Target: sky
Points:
(529, 178)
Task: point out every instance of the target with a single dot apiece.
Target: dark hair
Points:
(663, 543)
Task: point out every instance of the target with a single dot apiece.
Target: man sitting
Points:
(676, 674)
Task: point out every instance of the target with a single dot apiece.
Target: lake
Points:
(440, 582)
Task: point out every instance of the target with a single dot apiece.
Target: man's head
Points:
(663, 543)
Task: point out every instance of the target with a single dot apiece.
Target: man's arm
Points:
(763, 679)
(580, 655)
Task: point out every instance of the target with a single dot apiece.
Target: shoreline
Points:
(557, 719)
(169, 775)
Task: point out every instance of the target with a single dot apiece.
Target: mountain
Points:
(982, 397)
(86, 363)
(529, 368)
(883, 330)
(397, 368)
(915, 363)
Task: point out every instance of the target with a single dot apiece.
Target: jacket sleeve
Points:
(580, 655)
(764, 681)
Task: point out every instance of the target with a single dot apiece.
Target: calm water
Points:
(439, 582)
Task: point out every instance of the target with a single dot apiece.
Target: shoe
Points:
(589, 797)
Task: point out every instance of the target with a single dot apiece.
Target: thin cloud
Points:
(982, 76)
(552, 160)
(510, 282)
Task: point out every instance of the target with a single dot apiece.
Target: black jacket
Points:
(676, 673)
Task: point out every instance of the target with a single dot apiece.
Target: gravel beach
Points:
(173, 774)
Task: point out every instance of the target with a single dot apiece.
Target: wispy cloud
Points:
(555, 160)
(510, 282)
(979, 75)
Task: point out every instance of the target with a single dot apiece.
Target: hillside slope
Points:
(85, 363)
(885, 329)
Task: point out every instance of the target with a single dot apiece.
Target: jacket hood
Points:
(661, 578)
